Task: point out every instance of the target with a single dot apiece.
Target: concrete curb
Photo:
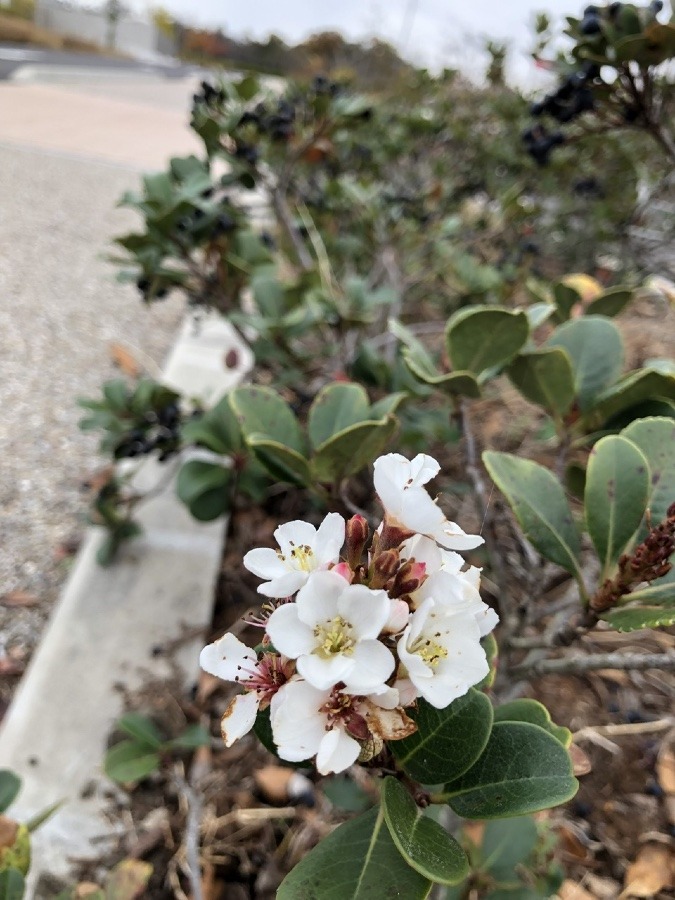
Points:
(102, 634)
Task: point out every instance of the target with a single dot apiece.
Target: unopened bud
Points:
(408, 578)
(356, 533)
(385, 566)
(343, 569)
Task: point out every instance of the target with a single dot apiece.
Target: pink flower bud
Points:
(398, 617)
(384, 567)
(408, 578)
(356, 534)
(343, 569)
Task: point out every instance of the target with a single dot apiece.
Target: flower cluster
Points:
(355, 634)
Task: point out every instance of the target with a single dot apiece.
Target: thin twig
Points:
(624, 730)
(574, 665)
(193, 802)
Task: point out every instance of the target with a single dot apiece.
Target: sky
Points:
(431, 32)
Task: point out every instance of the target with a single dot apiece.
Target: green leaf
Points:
(489, 644)
(10, 785)
(204, 488)
(357, 861)
(116, 393)
(336, 407)
(218, 429)
(387, 405)
(192, 737)
(635, 388)
(523, 769)
(545, 377)
(349, 451)
(343, 793)
(142, 729)
(506, 844)
(538, 313)
(595, 347)
(631, 618)
(615, 497)
(422, 366)
(611, 303)
(261, 411)
(539, 503)
(447, 741)
(656, 439)
(525, 710)
(481, 338)
(130, 761)
(12, 885)
(424, 844)
(565, 299)
(281, 462)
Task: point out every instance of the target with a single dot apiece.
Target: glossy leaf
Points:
(447, 741)
(349, 451)
(656, 439)
(629, 618)
(545, 377)
(261, 411)
(422, 366)
(525, 710)
(565, 299)
(217, 430)
(424, 844)
(523, 769)
(635, 388)
(282, 462)
(130, 761)
(357, 861)
(336, 407)
(10, 785)
(595, 347)
(611, 303)
(480, 338)
(616, 495)
(204, 488)
(12, 885)
(539, 503)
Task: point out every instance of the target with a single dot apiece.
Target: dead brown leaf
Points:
(652, 871)
(125, 360)
(665, 765)
(8, 830)
(272, 782)
(580, 760)
(19, 598)
(569, 890)
(572, 846)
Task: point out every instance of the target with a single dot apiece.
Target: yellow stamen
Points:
(334, 637)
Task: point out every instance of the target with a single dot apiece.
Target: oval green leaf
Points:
(635, 388)
(595, 347)
(478, 339)
(10, 785)
(281, 462)
(142, 729)
(349, 451)
(447, 741)
(545, 377)
(539, 503)
(656, 439)
(357, 861)
(130, 761)
(525, 710)
(611, 303)
(336, 407)
(424, 844)
(261, 411)
(506, 844)
(204, 488)
(523, 769)
(615, 498)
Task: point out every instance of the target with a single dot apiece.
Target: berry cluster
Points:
(276, 121)
(158, 430)
(539, 142)
(209, 95)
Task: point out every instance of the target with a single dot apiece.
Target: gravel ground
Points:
(60, 310)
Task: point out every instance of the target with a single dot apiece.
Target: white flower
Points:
(441, 652)
(302, 549)
(447, 583)
(331, 630)
(309, 722)
(231, 660)
(400, 486)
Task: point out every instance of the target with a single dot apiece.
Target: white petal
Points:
(317, 601)
(422, 469)
(453, 562)
(225, 658)
(407, 692)
(398, 618)
(472, 574)
(487, 619)
(338, 751)
(373, 663)
(451, 536)
(445, 588)
(285, 585)
(289, 635)
(439, 692)
(265, 563)
(390, 475)
(423, 549)
(323, 673)
(329, 539)
(366, 610)
(297, 725)
(295, 534)
(239, 717)
(387, 698)
(419, 512)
